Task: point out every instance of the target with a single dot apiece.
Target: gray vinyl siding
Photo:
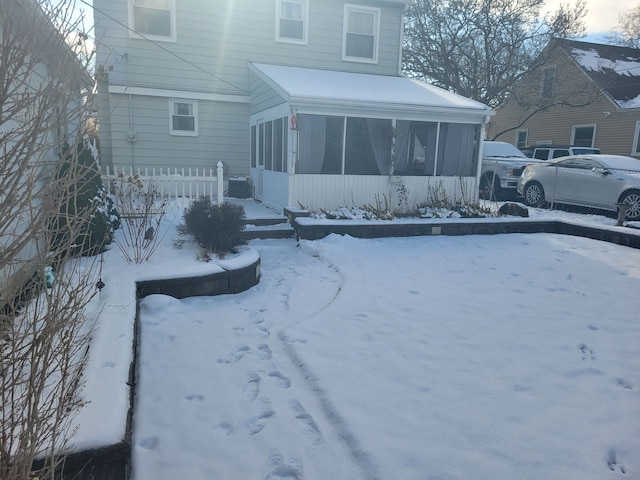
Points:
(223, 134)
(216, 40)
(263, 97)
(214, 44)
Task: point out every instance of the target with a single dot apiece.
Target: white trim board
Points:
(159, 92)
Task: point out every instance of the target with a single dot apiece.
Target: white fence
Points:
(191, 183)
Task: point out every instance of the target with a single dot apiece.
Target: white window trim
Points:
(635, 148)
(590, 125)
(159, 38)
(305, 26)
(348, 7)
(183, 133)
(526, 131)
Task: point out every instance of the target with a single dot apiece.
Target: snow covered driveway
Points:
(477, 357)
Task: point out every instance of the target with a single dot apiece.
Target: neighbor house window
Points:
(636, 141)
(583, 135)
(361, 33)
(291, 21)
(184, 117)
(153, 18)
(522, 138)
(548, 79)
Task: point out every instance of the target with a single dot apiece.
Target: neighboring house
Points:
(588, 93)
(303, 96)
(39, 105)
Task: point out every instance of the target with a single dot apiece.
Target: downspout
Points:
(131, 135)
(406, 7)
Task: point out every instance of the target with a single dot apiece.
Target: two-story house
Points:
(303, 96)
(581, 93)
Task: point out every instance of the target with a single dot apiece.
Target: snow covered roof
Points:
(323, 87)
(615, 69)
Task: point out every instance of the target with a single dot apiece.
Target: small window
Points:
(636, 141)
(184, 117)
(548, 80)
(360, 35)
(583, 135)
(522, 138)
(153, 18)
(560, 152)
(291, 21)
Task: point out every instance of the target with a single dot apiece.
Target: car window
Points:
(579, 163)
(541, 153)
(560, 153)
(585, 151)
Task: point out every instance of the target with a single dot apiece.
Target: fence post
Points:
(220, 183)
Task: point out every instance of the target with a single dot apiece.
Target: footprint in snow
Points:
(252, 387)
(234, 356)
(264, 352)
(280, 380)
(306, 422)
(292, 470)
(614, 464)
(255, 424)
(148, 443)
(587, 352)
(194, 397)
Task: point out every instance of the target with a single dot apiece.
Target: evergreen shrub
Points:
(216, 228)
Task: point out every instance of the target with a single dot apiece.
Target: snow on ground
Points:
(476, 357)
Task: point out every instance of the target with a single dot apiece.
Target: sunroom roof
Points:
(308, 85)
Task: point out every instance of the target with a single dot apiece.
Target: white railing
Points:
(191, 183)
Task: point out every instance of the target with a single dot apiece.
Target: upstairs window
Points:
(361, 33)
(184, 117)
(291, 21)
(153, 18)
(548, 80)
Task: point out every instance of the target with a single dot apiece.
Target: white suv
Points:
(502, 165)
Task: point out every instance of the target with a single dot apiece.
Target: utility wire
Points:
(161, 47)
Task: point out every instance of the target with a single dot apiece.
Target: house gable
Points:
(595, 90)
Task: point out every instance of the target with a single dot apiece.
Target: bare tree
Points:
(482, 48)
(627, 32)
(43, 291)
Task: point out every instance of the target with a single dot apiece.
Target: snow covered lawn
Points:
(478, 357)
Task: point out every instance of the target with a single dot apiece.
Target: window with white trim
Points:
(583, 135)
(291, 21)
(635, 151)
(155, 19)
(184, 117)
(361, 32)
(522, 138)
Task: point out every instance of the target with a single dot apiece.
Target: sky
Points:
(602, 15)
(480, 356)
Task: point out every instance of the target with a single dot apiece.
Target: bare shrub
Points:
(44, 90)
(141, 209)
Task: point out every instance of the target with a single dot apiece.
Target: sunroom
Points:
(325, 139)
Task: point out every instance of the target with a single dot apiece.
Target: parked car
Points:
(598, 181)
(549, 152)
(502, 164)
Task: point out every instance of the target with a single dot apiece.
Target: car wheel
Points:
(534, 194)
(490, 187)
(632, 198)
